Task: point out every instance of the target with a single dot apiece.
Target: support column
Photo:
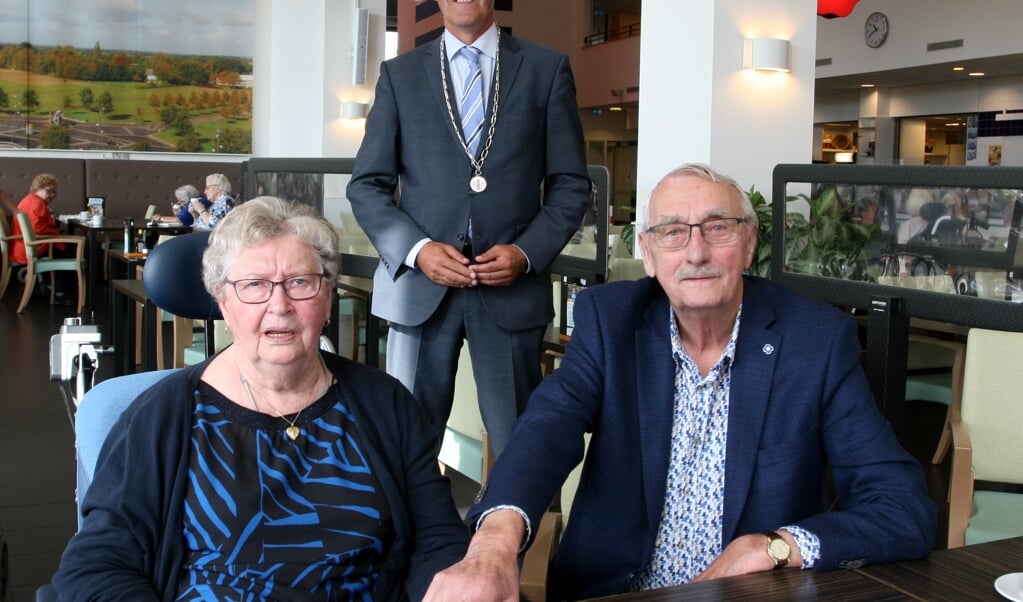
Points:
(699, 104)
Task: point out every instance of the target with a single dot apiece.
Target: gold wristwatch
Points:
(778, 549)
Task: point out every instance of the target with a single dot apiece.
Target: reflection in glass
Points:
(959, 240)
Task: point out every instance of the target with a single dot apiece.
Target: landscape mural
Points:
(126, 75)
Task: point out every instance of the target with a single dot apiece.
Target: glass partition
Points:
(320, 183)
(944, 239)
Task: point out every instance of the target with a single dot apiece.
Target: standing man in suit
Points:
(716, 402)
(467, 223)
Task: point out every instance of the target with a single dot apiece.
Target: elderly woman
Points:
(180, 213)
(272, 470)
(218, 193)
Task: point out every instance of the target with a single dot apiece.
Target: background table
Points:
(955, 575)
(124, 295)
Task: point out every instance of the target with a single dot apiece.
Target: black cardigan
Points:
(131, 544)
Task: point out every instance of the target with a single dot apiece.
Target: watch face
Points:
(779, 549)
(875, 29)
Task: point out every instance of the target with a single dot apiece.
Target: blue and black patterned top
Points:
(271, 518)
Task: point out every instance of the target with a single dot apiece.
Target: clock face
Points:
(875, 29)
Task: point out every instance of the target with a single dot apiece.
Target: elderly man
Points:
(716, 403)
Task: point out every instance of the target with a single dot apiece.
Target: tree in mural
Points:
(55, 136)
(105, 103)
(31, 99)
(85, 95)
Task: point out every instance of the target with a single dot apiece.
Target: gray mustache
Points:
(699, 272)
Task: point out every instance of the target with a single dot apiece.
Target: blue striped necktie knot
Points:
(470, 106)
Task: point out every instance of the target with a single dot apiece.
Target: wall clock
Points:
(875, 29)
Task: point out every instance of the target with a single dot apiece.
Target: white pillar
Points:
(697, 102)
(303, 72)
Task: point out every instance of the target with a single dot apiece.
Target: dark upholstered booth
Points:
(128, 185)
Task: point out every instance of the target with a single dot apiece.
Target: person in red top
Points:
(37, 205)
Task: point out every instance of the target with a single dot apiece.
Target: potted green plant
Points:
(828, 243)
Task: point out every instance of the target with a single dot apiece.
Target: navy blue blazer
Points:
(537, 192)
(799, 403)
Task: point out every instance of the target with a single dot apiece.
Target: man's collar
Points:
(486, 43)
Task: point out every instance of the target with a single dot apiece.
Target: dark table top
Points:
(966, 573)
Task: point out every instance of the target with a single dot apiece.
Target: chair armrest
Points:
(958, 366)
(960, 486)
(533, 578)
(49, 240)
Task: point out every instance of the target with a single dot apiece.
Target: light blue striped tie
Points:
(471, 105)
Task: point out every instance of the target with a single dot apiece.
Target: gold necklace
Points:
(292, 430)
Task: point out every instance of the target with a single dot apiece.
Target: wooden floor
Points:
(37, 463)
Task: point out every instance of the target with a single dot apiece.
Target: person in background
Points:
(183, 196)
(36, 204)
(271, 471)
(468, 205)
(218, 194)
(717, 403)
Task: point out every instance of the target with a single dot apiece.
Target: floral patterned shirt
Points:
(689, 536)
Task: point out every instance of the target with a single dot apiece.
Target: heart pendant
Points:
(292, 432)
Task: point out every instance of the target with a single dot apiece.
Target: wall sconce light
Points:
(765, 54)
(354, 110)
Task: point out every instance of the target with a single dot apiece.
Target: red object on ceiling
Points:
(829, 9)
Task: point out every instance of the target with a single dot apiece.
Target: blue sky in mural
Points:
(204, 27)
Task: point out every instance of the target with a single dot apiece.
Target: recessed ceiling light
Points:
(614, 108)
(958, 68)
(976, 73)
(866, 85)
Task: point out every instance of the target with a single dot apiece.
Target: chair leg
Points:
(53, 287)
(81, 291)
(945, 443)
(5, 276)
(30, 284)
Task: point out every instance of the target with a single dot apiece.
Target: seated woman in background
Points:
(36, 204)
(183, 196)
(272, 470)
(218, 193)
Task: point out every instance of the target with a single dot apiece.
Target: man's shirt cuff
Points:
(529, 528)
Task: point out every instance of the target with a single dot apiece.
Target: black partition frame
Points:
(591, 268)
(889, 308)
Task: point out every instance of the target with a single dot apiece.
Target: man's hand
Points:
(748, 554)
(445, 265)
(490, 570)
(501, 265)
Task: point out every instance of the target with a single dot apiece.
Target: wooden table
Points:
(125, 294)
(94, 233)
(956, 575)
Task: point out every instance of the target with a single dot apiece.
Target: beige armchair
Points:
(935, 373)
(5, 253)
(39, 263)
(987, 435)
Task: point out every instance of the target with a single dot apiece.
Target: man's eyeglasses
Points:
(258, 290)
(715, 231)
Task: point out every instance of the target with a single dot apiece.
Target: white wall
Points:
(707, 108)
(302, 63)
(987, 28)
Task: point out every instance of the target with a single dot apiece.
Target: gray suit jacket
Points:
(411, 179)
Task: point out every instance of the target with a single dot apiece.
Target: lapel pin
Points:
(768, 349)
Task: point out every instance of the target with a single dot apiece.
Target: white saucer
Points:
(1010, 586)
